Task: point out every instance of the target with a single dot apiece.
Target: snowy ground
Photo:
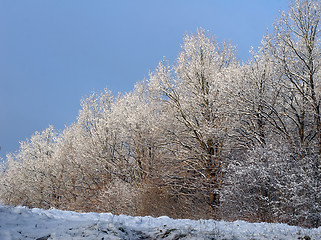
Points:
(23, 223)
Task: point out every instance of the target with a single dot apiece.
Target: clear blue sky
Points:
(54, 52)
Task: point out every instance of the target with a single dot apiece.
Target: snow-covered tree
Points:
(28, 178)
(257, 99)
(279, 175)
(295, 47)
(197, 93)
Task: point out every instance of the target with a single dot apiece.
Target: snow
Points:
(24, 223)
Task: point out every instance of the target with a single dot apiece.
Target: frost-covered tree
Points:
(295, 47)
(197, 93)
(133, 120)
(257, 99)
(29, 174)
(279, 176)
(97, 151)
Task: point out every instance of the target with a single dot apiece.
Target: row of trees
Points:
(206, 137)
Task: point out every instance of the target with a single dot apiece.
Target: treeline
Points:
(206, 137)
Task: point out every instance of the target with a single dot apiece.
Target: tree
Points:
(280, 171)
(28, 178)
(197, 91)
(257, 100)
(295, 46)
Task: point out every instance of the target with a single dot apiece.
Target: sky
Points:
(53, 53)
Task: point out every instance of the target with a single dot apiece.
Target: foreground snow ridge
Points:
(25, 223)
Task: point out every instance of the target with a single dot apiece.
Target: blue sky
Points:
(54, 52)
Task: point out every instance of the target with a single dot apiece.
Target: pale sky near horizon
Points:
(54, 52)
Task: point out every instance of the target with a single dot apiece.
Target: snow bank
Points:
(24, 223)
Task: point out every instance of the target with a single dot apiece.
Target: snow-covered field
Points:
(23, 223)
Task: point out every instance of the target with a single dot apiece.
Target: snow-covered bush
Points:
(272, 184)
